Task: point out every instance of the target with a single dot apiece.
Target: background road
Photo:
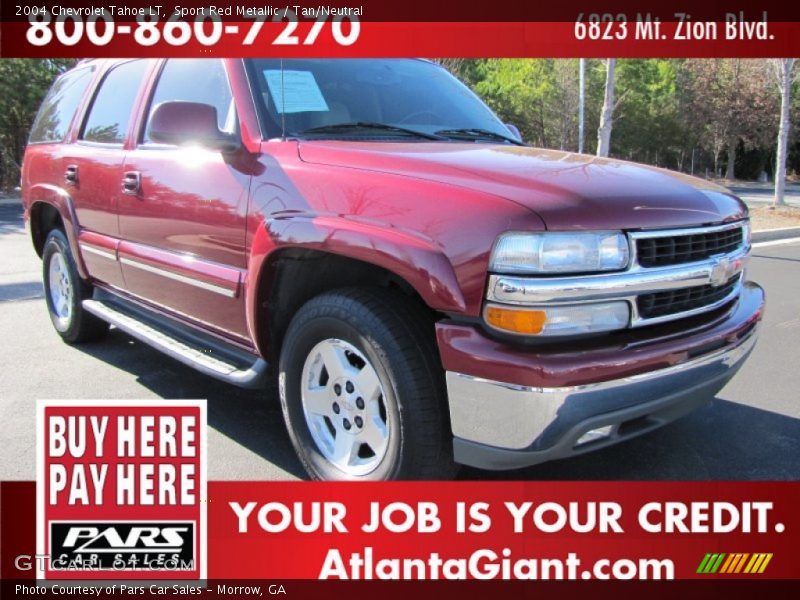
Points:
(754, 193)
(751, 431)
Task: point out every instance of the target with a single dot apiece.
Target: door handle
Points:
(71, 175)
(132, 183)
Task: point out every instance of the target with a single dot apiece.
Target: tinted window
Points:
(195, 80)
(59, 106)
(110, 114)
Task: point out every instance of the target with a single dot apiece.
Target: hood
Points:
(568, 191)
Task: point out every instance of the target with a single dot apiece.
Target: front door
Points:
(182, 210)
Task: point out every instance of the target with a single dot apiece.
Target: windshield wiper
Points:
(355, 126)
(474, 133)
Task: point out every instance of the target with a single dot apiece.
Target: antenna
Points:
(283, 105)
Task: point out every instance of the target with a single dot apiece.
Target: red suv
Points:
(426, 288)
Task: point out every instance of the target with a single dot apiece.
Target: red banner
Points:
(531, 531)
(622, 28)
(399, 39)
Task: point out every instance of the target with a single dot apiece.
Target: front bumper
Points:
(502, 425)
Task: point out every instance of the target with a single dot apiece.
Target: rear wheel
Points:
(361, 389)
(65, 291)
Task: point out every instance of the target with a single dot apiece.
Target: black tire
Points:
(389, 330)
(77, 325)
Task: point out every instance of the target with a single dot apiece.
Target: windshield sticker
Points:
(295, 91)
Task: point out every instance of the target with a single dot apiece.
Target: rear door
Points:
(95, 166)
(183, 226)
(49, 166)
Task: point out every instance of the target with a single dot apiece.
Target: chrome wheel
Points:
(61, 290)
(344, 407)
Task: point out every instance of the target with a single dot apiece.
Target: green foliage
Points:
(23, 85)
(680, 114)
(647, 123)
(540, 97)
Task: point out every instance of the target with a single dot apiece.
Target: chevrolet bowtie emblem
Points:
(721, 272)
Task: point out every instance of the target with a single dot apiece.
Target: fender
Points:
(416, 260)
(59, 199)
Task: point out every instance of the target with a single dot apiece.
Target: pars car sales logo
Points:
(121, 489)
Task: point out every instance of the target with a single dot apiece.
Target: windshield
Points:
(371, 99)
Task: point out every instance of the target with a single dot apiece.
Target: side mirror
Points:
(190, 122)
(514, 130)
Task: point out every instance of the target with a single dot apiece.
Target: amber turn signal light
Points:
(514, 320)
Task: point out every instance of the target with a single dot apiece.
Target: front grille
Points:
(678, 249)
(660, 304)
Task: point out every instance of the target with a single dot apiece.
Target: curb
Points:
(770, 235)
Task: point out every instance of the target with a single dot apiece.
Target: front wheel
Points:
(361, 389)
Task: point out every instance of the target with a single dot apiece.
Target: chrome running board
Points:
(202, 352)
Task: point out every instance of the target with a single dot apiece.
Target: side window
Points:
(195, 80)
(110, 114)
(59, 106)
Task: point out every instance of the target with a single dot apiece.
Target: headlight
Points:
(747, 235)
(556, 252)
(575, 319)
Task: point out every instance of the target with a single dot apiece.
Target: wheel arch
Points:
(51, 207)
(337, 253)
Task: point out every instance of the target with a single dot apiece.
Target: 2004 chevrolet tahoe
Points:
(426, 288)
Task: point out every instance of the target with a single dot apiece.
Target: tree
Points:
(466, 69)
(23, 84)
(564, 95)
(538, 95)
(735, 103)
(607, 114)
(784, 71)
(647, 124)
(686, 114)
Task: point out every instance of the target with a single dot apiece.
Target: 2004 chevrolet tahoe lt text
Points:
(426, 289)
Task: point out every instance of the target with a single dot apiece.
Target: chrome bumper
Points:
(503, 426)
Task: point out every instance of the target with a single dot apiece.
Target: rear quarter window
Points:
(110, 114)
(59, 106)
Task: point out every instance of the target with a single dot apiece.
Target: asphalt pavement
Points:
(750, 431)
